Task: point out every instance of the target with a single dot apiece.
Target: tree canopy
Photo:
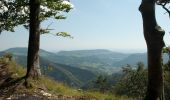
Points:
(16, 12)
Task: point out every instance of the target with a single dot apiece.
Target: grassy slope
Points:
(58, 88)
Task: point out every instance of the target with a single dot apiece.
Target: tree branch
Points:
(164, 7)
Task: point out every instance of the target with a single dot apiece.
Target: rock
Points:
(45, 93)
(9, 98)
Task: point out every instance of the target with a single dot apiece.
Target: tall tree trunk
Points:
(154, 39)
(33, 67)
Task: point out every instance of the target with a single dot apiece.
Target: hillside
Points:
(71, 75)
(99, 59)
(12, 87)
(97, 52)
(132, 59)
(96, 60)
(77, 68)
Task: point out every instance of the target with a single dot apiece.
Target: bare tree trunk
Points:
(33, 67)
(154, 39)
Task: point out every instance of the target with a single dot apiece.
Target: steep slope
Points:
(94, 60)
(73, 76)
(12, 87)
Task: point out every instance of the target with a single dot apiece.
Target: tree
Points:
(167, 51)
(101, 81)
(8, 56)
(167, 80)
(16, 12)
(154, 39)
(133, 82)
(33, 66)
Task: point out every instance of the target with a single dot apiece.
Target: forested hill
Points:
(86, 59)
(79, 67)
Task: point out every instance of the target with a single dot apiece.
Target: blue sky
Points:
(94, 24)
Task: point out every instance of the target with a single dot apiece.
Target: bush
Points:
(133, 82)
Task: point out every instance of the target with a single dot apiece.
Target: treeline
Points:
(132, 81)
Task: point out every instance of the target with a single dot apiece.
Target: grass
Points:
(58, 88)
(62, 89)
(18, 70)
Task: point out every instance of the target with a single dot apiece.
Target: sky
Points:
(95, 24)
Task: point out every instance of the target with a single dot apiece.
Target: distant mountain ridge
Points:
(80, 66)
(81, 53)
(85, 59)
(71, 75)
(133, 59)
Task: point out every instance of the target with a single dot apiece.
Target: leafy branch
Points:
(47, 31)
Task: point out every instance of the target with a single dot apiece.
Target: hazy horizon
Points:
(94, 24)
(113, 50)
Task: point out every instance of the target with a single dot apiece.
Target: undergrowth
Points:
(58, 88)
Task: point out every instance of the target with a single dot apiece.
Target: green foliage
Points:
(8, 56)
(101, 81)
(57, 88)
(165, 50)
(167, 80)
(13, 13)
(16, 12)
(134, 82)
(14, 68)
(64, 34)
(47, 31)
